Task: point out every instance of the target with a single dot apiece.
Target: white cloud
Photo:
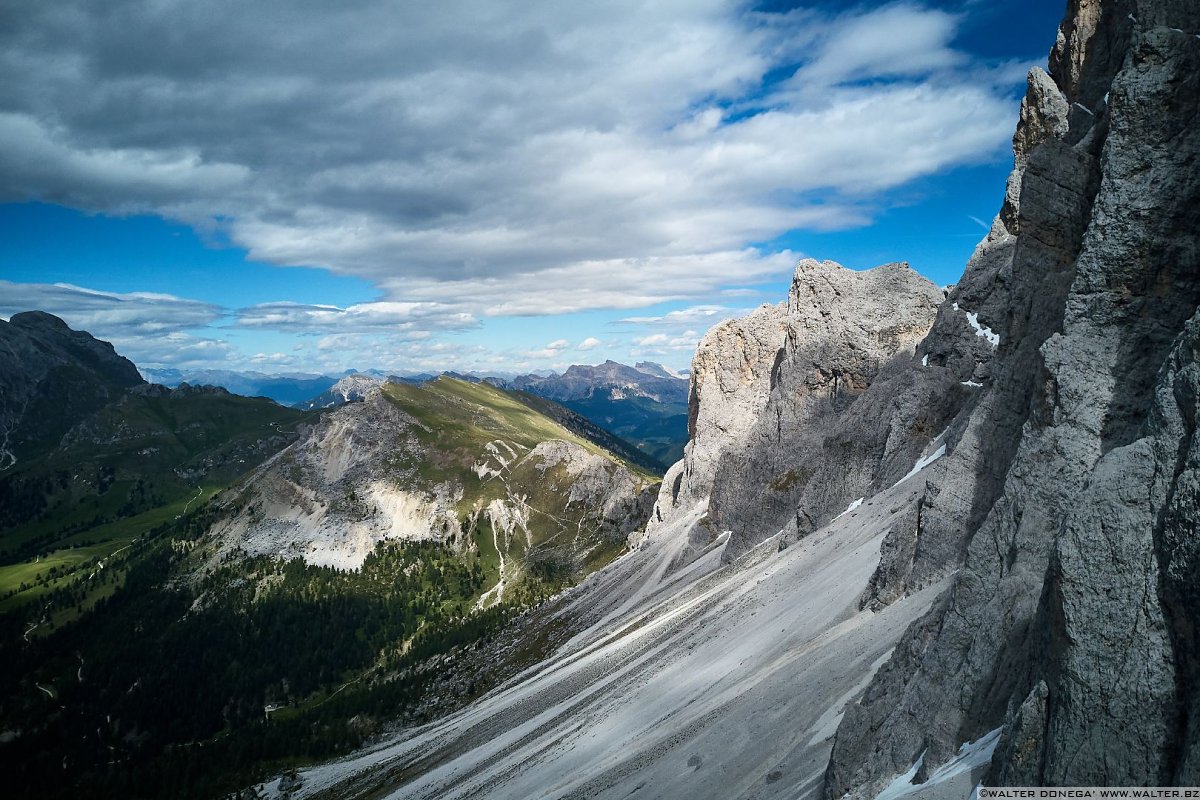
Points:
(179, 350)
(703, 316)
(418, 318)
(667, 346)
(472, 158)
(590, 343)
(108, 314)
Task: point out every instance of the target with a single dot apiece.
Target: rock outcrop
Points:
(350, 389)
(779, 403)
(1068, 624)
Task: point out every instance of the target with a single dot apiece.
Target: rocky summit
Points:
(788, 401)
(50, 376)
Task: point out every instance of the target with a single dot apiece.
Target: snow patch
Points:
(983, 331)
(850, 508)
(925, 360)
(970, 756)
(922, 463)
(972, 383)
(903, 784)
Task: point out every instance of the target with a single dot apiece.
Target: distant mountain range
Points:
(291, 389)
(616, 381)
(645, 404)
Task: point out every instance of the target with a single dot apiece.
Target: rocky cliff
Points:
(50, 377)
(1050, 399)
(791, 402)
(1068, 495)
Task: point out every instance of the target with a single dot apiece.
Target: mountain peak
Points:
(38, 320)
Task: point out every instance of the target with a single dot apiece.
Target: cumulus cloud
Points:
(472, 158)
(665, 345)
(590, 343)
(177, 349)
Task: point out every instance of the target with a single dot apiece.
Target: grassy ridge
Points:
(458, 421)
(467, 416)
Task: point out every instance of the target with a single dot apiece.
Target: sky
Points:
(481, 185)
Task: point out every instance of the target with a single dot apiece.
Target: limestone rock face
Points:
(769, 390)
(1069, 490)
(729, 388)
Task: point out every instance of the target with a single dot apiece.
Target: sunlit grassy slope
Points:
(459, 423)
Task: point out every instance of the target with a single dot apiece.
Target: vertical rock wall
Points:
(1069, 623)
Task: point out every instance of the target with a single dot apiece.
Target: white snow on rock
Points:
(853, 505)
(983, 331)
(923, 462)
(955, 778)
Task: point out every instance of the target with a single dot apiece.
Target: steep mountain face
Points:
(50, 376)
(800, 408)
(1068, 494)
(462, 464)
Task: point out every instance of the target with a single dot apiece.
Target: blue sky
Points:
(396, 188)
